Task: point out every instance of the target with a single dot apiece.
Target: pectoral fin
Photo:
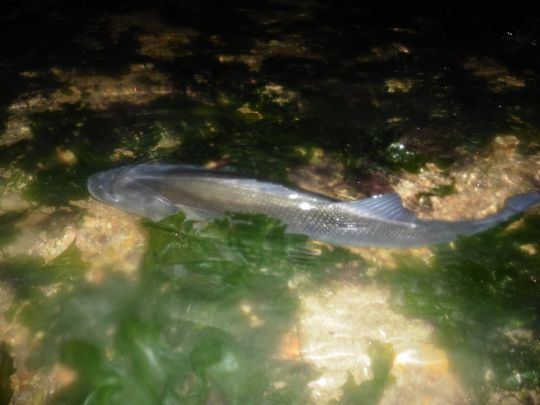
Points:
(159, 208)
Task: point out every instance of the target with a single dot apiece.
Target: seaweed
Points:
(482, 296)
(203, 320)
(371, 391)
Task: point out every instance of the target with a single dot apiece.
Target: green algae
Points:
(179, 332)
(371, 391)
(482, 296)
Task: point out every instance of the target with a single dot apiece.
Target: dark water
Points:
(237, 310)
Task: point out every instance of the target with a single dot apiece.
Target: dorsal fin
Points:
(387, 206)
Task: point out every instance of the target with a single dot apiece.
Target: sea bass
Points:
(159, 190)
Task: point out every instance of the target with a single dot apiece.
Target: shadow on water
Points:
(6, 370)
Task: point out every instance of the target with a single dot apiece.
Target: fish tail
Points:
(447, 231)
(513, 206)
(521, 202)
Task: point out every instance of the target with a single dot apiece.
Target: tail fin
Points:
(521, 202)
(513, 206)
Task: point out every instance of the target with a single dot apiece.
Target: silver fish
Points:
(159, 190)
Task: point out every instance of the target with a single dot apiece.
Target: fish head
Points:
(125, 188)
(108, 186)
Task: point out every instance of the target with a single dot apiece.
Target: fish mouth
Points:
(101, 184)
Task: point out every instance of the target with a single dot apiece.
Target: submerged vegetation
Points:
(370, 392)
(204, 318)
(482, 295)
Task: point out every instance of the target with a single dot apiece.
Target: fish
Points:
(157, 190)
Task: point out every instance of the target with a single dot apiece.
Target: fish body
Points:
(159, 190)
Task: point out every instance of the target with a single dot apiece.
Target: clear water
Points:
(99, 306)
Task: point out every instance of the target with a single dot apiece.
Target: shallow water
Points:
(101, 306)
